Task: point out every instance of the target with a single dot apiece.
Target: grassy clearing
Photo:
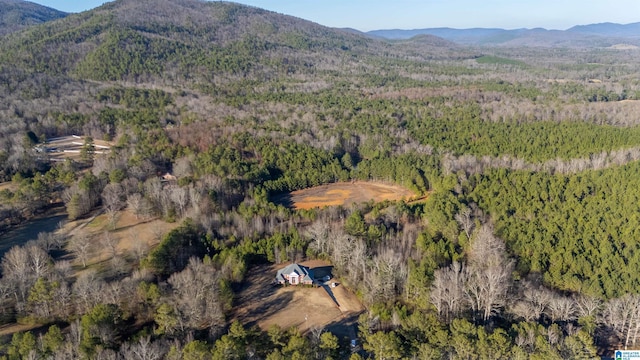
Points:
(344, 194)
(488, 59)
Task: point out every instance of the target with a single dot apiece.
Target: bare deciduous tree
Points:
(341, 246)
(360, 259)
(622, 316)
(489, 272)
(63, 269)
(88, 291)
(447, 290)
(112, 199)
(21, 267)
(40, 263)
(562, 308)
(49, 241)
(118, 265)
(135, 204)
(318, 233)
(587, 305)
(140, 249)
(109, 244)
(182, 166)
(15, 263)
(82, 248)
(180, 197)
(465, 221)
(196, 295)
(143, 349)
(63, 301)
(195, 198)
(533, 303)
(153, 189)
(387, 276)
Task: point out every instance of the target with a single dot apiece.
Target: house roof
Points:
(300, 270)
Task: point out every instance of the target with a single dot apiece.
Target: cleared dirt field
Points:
(344, 193)
(69, 147)
(261, 303)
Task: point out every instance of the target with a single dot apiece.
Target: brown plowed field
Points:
(344, 193)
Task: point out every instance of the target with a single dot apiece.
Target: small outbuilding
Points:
(295, 274)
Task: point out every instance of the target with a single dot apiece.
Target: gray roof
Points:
(304, 272)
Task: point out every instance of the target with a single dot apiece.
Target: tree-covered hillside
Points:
(190, 117)
(16, 15)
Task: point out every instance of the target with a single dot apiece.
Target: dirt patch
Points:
(14, 328)
(9, 185)
(264, 304)
(131, 230)
(344, 193)
(130, 234)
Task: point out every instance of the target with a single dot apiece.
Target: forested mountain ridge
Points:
(609, 29)
(163, 33)
(523, 243)
(17, 14)
(176, 36)
(581, 36)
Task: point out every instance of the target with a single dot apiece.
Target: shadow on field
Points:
(131, 226)
(347, 327)
(257, 296)
(284, 199)
(266, 308)
(327, 288)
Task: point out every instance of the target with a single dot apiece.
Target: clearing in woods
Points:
(130, 234)
(70, 147)
(343, 193)
(264, 304)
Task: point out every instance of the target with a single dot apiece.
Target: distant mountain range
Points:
(16, 15)
(594, 35)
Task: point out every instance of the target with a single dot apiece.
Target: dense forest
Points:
(524, 243)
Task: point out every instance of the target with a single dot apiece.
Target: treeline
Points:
(461, 130)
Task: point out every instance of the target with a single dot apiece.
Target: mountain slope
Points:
(16, 15)
(180, 40)
(128, 39)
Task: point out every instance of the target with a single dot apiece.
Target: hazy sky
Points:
(410, 14)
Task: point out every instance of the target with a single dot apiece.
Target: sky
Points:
(366, 15)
